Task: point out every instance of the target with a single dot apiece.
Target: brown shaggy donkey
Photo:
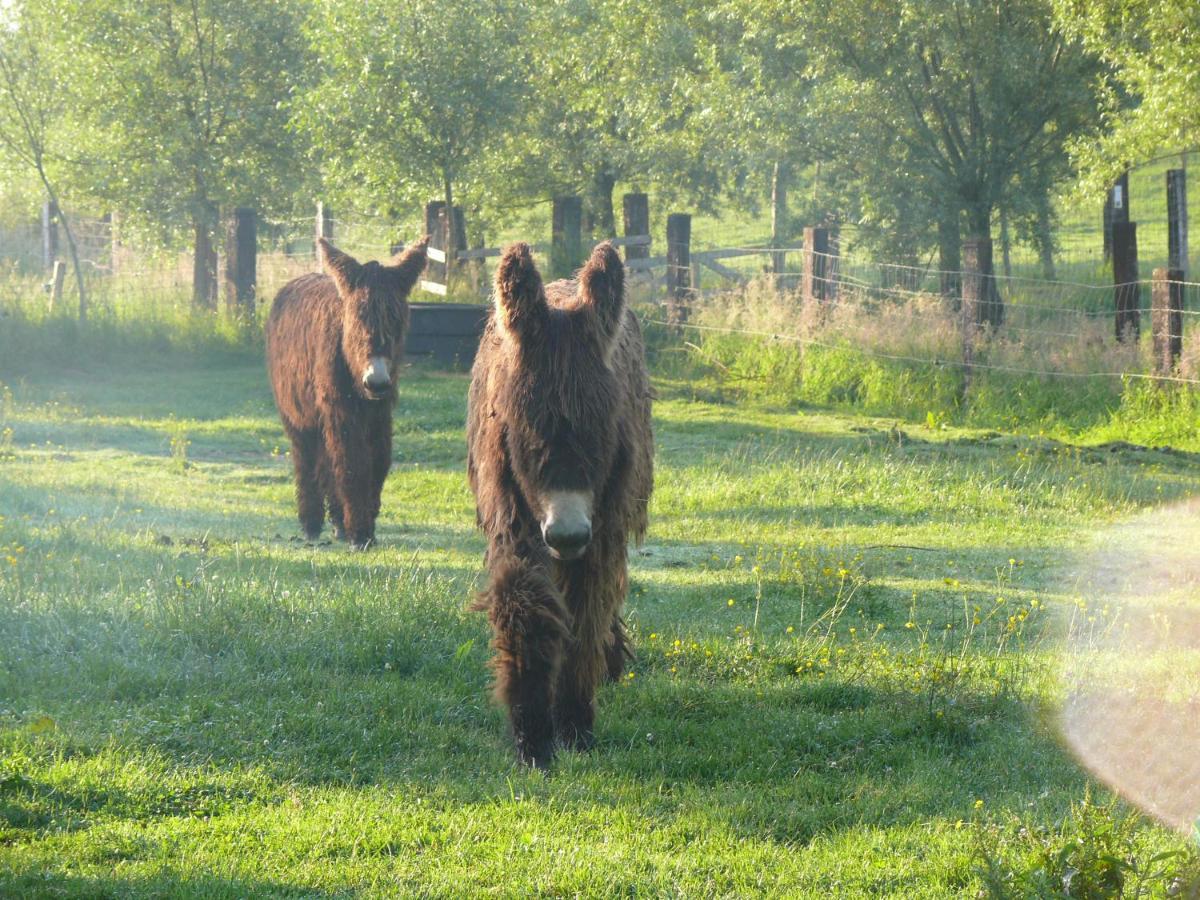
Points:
(334, 344)
(560, 456)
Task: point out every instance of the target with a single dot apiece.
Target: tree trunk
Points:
(1045, 236)
(53, 195)
(979, 225)
(1005, 244)
(83, 303)
(779, 216)
(950, 256)
(204, 258)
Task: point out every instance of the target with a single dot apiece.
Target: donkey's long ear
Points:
(341, 267)
(520, 299)
(407, 266)
(602, 285)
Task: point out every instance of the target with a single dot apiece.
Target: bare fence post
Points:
(679, 267)
(451, 229)
(1116, 210)
(56, 283)
(241, 261)
(1126, 296)
(975, 287)
(1166, 319)
(1177, 221)
(436, 229)
(566, 236)
(49, 234)
(324, 223)
(636, 209)
(813, 281)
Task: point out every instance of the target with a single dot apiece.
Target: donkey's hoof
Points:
(581, 740)
(535, 755)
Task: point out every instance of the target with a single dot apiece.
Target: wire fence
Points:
(1044, 328)
(901, 311)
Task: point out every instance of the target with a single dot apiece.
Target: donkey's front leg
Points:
(594, 589)
(351, 471)
(530, 628)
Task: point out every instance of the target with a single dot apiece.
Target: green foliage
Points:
(413, 99)
(1151, 99)
(1099, 851)
(185, 102)
(940, 105)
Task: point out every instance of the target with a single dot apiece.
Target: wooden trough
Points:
(446, 333)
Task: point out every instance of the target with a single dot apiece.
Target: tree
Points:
(188, 101)
(622, 95)
(976, 92)
(1152, 83)
(413, 98)
(34, 109)
(759, 50)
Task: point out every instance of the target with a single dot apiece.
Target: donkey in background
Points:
(334, 345)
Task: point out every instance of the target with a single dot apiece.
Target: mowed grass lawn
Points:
(193, 702)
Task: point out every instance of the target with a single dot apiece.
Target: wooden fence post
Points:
(813, 280)
(324, 223)
(1126, 296)
(457, 229)
(241, 261)
(56, 283)
(49, 234)
(1177, 220)
(1116, 209)
(976, 271)
(679, 267)
(566, 236)
(636, 209)
(1166, 318)
(436, 229)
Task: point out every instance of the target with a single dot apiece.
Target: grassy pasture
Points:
(846, 637)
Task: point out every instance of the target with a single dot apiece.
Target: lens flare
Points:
(1131, 670)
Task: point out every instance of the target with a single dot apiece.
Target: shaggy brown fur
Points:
(334, 344)
(559, 404)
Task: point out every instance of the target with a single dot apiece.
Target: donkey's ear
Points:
(408, 265)
(602, 286)
(520, 299)
(341, 267)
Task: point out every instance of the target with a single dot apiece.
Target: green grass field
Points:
(846, 636)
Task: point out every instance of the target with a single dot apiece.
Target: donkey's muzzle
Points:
(567, 523)
(376, 379)
(567, 541)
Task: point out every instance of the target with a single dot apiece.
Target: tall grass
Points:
(903, 357)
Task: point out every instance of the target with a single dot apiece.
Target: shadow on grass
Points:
(34, 884)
